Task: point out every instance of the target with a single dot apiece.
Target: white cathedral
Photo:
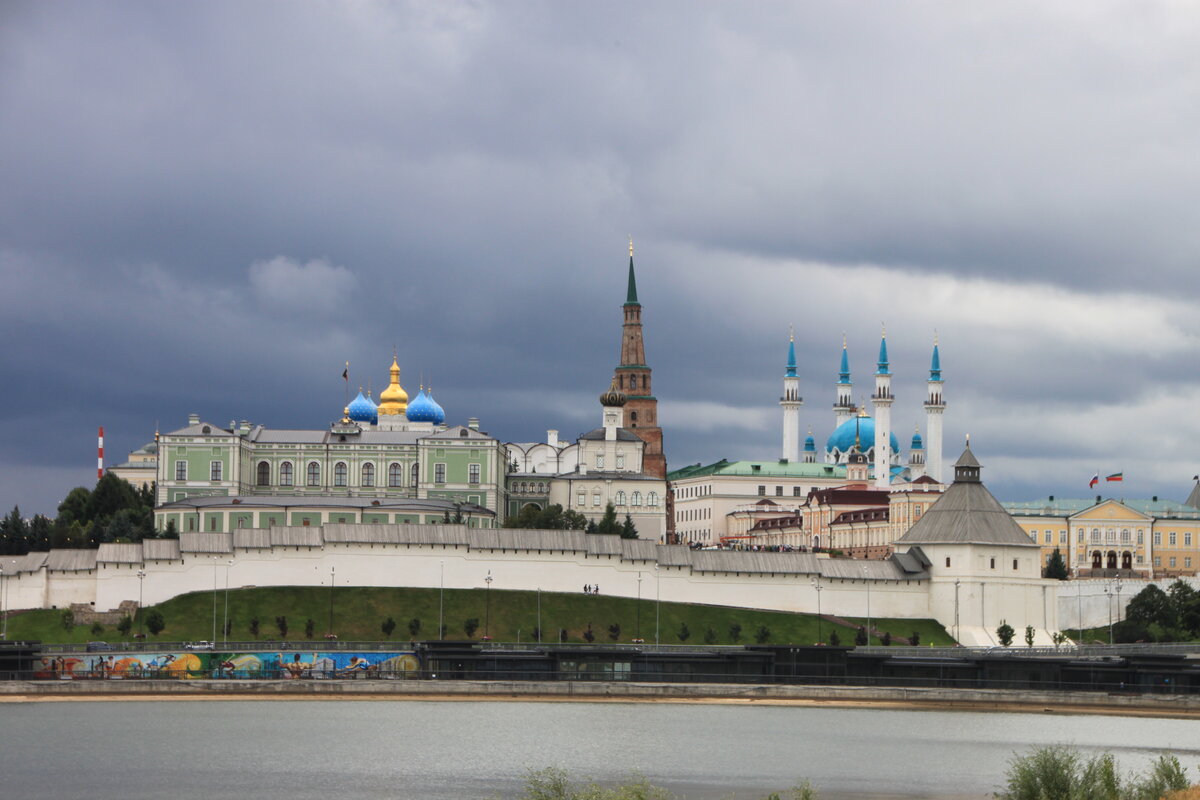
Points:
(855, 430)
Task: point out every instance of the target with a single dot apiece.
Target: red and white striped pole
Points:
(100, 455)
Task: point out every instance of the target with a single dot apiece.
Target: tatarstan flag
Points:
(1116, 476)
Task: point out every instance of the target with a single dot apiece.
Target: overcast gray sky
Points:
(211, 206)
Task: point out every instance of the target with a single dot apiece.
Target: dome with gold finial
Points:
(393, 400)
(613, 397)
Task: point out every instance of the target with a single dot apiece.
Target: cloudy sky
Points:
(210, 207)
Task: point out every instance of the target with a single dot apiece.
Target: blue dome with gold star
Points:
(842, 439)
(425, 409)
(361, 409)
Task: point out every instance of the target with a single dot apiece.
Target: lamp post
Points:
(141, 574)
(3, 586)
(639, 607)
(868, 583)
(817, 585)
(441, 598)
(214, 627)
(1079, 599)
(1118, 601)
(331, 582)
(658, 602)
(487, 607)
(957, 583)
(539, 612)
(225, 624)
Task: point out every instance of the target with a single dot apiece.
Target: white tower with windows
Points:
(882, 401)
(935, 406)
(843, 407)
(791, 402)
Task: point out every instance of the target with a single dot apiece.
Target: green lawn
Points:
(359, 612)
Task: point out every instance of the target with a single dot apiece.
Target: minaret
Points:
(791, 402)
(633, 380)
(916, 456)
(882, 401)
(934, 408)
(810, 448)
(843, 407)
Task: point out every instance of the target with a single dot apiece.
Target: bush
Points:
(614, 631)
(762, 635)
(1060, 773)
(155, 622)
(97, 629)
(914, 638)
(562, 635)
(254, 627)
(388, 627)
(735, 632)
(710, 635)
(470, 626)
(860, 637)
(1005, 633)
(886, 639)
(125, 625)
(588, 636)
(683, 633)
(309, 628)
(281, 624)
(67, 618)
(1029, 635)
(414, 627)
(834, 639)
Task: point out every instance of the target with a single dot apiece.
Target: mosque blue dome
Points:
(362, 409)
(917, 444)
(810, 445)
(842, 439)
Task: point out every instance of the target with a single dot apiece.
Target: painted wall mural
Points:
(286, 665)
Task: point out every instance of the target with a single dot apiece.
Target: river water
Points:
(270, 750)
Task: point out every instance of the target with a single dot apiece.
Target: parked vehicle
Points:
(198, 646)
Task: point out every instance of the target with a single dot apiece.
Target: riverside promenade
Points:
(1002, 700)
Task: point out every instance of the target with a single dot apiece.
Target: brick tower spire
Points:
(633, 378)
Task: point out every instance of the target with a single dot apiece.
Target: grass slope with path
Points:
(359, 613)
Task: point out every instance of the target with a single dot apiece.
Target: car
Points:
(99, 647)
(198, 646)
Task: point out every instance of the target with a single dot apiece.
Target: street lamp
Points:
(487, 607)
(214, 628)
(331, 582)
(441, 598)
(1118, 601)
(141, 574)
(639, 607)
(817, 585)
(1079, 599)
(225, 624)
(868, 583)
(658, 602)
(957, 583)
(539, 609)
(3, 586)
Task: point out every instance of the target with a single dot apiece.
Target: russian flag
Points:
(1095, 479)
(1116, 476)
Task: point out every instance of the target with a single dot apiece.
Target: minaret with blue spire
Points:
(935, 406)
(791, 402)
(882, 402)
(916, 457)
(843, 407)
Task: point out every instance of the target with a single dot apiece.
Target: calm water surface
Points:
(437, 750)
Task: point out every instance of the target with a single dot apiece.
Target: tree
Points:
(155, 622)
(588, 636)
(552, 517)
(762, 635)
(310, 627)
(74, 506)
(1056, 567)
(860, 637)
(170, 532)
(710, 635)
(1151, 606)
(414, 627)
(1029, 635)
(628, 531)
(562, 635)
(614, 631)
(112, 494)
(1005, 633)
(388, 626)
(735, 632)
(683, 633)
(67, 618)
(40, 531)
(254, 627)
(125, 625)
(97, 629)
(914, 638)
(458, 518)
(886, 639)
(834, 639)
(282, 624)
(470, 625)
(1186, 602)
(14, 534)
(608, 523)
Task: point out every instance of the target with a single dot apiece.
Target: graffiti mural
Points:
(285, 665)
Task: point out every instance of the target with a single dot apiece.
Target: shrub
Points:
(414, 627)
(67, 618)
(614, 631)
(125, 625)
(97, 629)
(860, 636)
(470, 626)
(281, 624)
(762, 635)
(683, 633)
(388, 626)
(1029, 635)
(1060, 773)
(562, 635)
(914, 638)
(710, 636)
(886, 639)
(834, 639)
(155, 622)
(1005, 633)
(588, 636)
(735, 632)
(309, 628)
(254, 627)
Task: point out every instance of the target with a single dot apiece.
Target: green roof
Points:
(760, 469)
(1066, 506)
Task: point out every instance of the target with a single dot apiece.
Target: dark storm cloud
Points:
(211, 207)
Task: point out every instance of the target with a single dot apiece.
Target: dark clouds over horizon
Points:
(210, 207)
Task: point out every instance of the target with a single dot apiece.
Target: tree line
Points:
(113, 511)
(555, 517)
(1157, 616)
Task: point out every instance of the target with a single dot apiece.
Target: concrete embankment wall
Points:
(932, 698)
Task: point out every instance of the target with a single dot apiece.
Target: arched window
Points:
(339, 473)
(285, 473)
(395, 475)
(652, 499)
(368, 474)
(416, 474)
(637, 498)
(620, 498)
(264, 474)
(314, 474)
(1095, 534)
(1125, 535)
(633, 381)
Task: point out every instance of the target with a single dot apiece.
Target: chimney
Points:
(473, 423)
(552, 438)
(193, 419)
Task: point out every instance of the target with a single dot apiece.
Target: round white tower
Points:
(843, 407)
(882, 401)
(791, 402)
(935, 406)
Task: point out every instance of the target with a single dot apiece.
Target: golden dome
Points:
(393, 400)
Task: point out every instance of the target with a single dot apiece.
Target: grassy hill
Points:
(359, 613)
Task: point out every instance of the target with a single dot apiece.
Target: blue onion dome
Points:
(810, 444)
(438, 412)
(422, 408)
(361, 409)
(842, 439)
(917, 444)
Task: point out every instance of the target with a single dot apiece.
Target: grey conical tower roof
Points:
(1194, 498)
(966, 514)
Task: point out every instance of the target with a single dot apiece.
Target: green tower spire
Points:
(631, 294)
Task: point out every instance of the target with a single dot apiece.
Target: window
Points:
(1141, 536)
(581, 499)
(993, 563)
(191, 523)
(181, 470)
(214, 470)
(439, 473)
(599, 460)
(285, 473)
(762, 491)
(472, 473)
(1187, 539)
(212, 523)
(796, 491)
(1187, 562)
(368, 474)
(1171, 538)
(596, 499)
(1079, 537)
(1033, 535)
(947, 561)
(1172, 561)
(620, 498)
(637, 499)
(620, 461)
(314, 474)
(339, 473)
(1014, 563)
(263, 474)
(416, 473)
(1110, 535)
(1157, 561)
(652, 499)
(1095, 534)
(1125, 537)
(1049, 537)
(1157, 541)
(1062, 537)
(395, 475)
(779, 491)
